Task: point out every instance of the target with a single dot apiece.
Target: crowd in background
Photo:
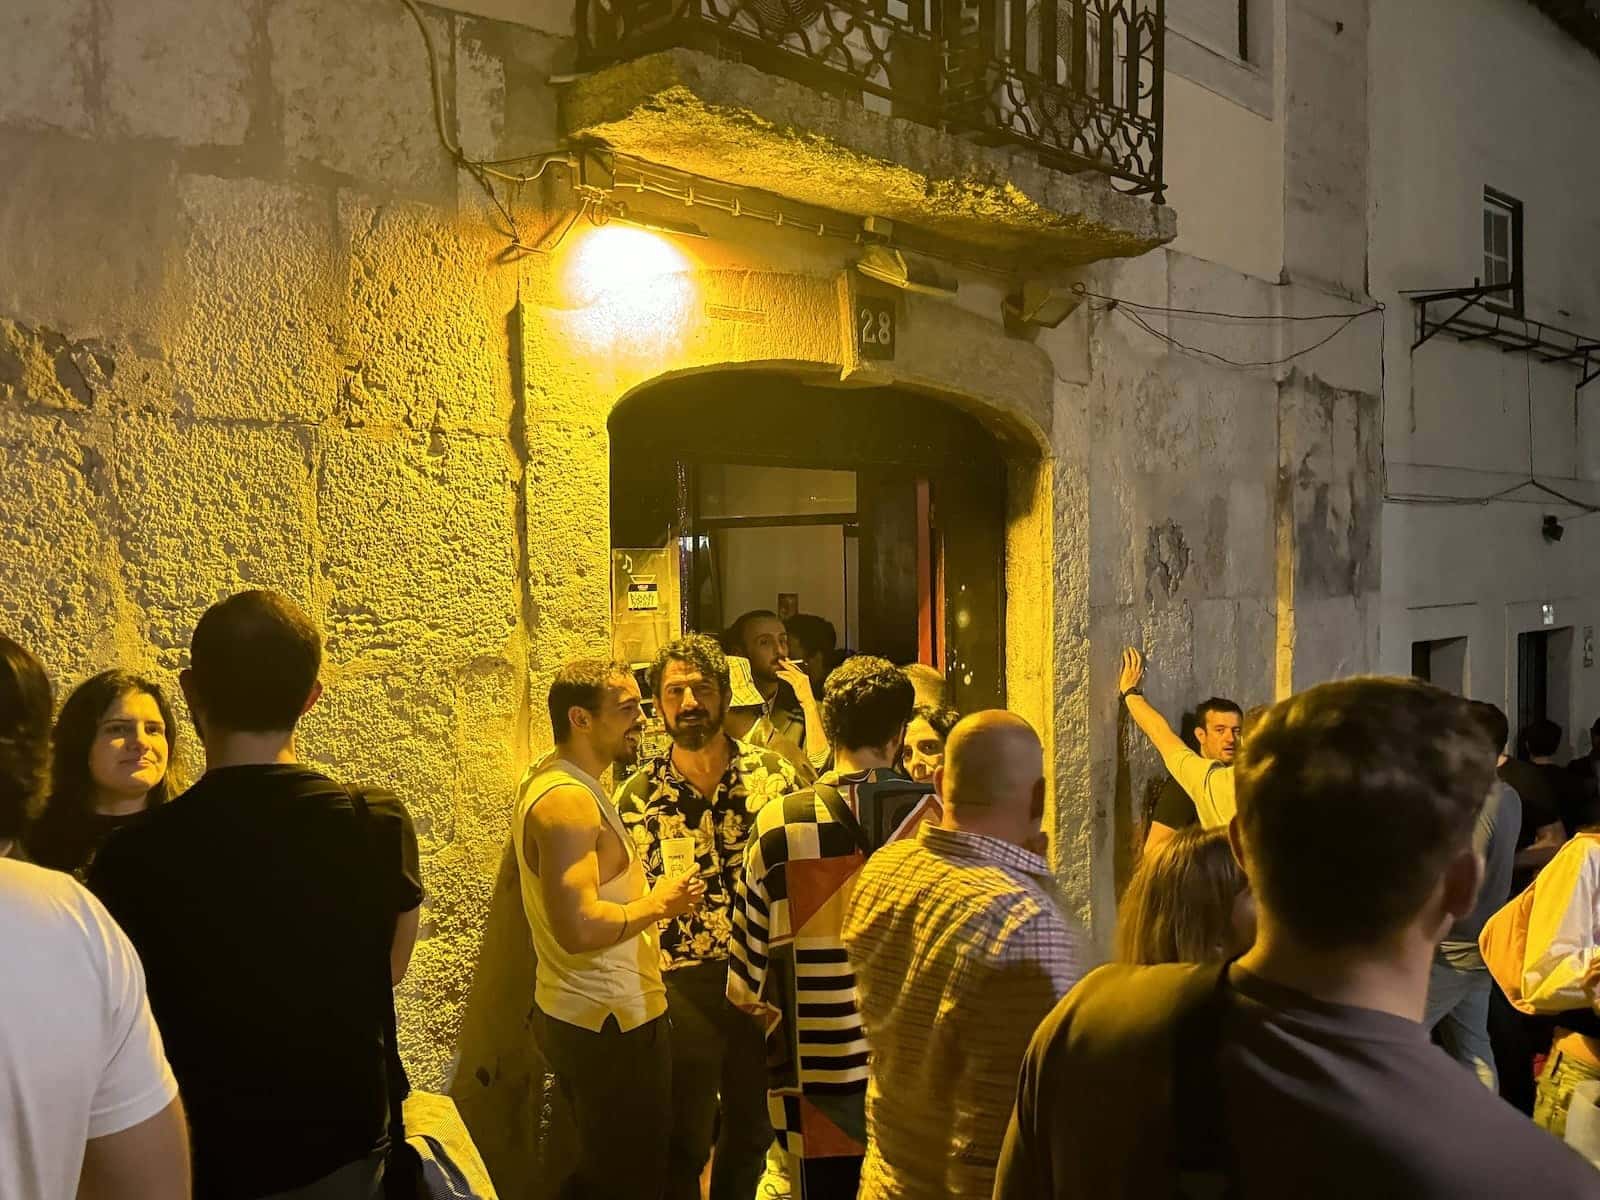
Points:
(810, 947)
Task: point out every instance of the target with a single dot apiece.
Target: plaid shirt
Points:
(787, 965)
(658, 802)
(960, 948)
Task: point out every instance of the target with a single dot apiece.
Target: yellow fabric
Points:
(1208, 783)
(1563, 928)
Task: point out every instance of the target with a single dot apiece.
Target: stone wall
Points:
(255, 330)
(250, 335)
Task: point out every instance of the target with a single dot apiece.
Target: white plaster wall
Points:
(1469, 93)
(1224, 167)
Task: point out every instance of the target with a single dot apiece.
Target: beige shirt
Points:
(621, 981)
(1208, 783)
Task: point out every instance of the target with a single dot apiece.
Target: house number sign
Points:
(875, 328)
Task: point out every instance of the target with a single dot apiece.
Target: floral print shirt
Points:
(658, 802)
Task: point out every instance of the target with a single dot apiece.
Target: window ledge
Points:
(1246, 84)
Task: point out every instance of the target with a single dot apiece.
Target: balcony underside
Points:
(727, 121)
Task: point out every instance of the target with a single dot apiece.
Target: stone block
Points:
(180, 70)
(418, 546)
(260, 293)
(426, 344)
(204, 510)
(480, 94)
(352, 79)
(46, 60)
(391, 725)
(58, 584)
(84, 234)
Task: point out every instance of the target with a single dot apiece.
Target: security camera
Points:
(1552, 529)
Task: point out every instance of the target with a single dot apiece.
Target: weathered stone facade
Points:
(256, 330)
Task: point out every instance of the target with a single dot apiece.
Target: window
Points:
(1220, 25)
(1502, 249)
(1442, 662)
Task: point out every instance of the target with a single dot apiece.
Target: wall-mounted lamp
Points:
(1040, 305)
(603, 212)
(888, 265)
(1553, 530)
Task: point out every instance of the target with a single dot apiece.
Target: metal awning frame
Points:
(1471, 317)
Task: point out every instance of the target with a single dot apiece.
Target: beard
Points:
(627, 753)
(696, 732)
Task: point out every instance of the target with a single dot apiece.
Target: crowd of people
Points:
(813, 947)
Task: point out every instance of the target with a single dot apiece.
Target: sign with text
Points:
(875, 325)
(643, 596)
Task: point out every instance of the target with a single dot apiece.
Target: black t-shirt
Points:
(1319, 1102)
(1539, 801)
(1174, 808)
(256, 903)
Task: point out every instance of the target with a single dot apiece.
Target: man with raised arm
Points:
(598, 984)
(1207, 782)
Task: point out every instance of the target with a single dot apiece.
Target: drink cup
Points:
(677, 856)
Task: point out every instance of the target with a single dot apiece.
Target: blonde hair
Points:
(1179, 903)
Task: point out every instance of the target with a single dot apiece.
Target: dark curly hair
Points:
(866, 703)
(941, 720)
(64, 835)
(698, 650)
(25, 704)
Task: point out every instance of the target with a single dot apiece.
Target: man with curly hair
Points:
(700, 797)
(788, 966)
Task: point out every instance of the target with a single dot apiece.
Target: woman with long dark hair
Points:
(113, 745)
(24, 739)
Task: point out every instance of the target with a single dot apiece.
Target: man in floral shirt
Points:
(706, 789)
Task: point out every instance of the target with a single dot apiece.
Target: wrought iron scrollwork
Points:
(1079, 81)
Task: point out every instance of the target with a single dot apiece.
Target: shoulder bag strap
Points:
(395, 1079)
(1203, 1152)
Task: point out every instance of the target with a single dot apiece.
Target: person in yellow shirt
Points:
(1208, 783)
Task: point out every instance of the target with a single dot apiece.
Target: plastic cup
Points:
(677, 856)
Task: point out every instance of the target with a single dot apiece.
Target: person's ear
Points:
(312, 698)
(187, 687)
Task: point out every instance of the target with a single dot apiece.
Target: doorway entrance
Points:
(880, 510)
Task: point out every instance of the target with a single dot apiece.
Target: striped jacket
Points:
(787, 965)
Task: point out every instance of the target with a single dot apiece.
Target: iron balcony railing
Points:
(1078, 81)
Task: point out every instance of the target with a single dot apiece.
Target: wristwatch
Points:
(1135, 690)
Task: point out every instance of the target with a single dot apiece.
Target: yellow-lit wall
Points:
(255, 330)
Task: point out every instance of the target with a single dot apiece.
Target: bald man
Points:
(960, 947)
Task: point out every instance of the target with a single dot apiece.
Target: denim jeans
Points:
(1458, 1009)
(1561, 1075)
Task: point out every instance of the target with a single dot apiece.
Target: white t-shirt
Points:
(80, 1056)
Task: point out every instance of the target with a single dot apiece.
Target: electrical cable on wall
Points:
(484, 170)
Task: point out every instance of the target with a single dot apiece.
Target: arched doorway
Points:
(882, 510)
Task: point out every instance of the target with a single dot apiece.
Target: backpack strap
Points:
(840, 812)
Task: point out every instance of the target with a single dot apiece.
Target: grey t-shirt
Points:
(1496, 839)
(1319, 1102)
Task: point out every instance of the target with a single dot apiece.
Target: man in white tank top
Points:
(598, 983)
